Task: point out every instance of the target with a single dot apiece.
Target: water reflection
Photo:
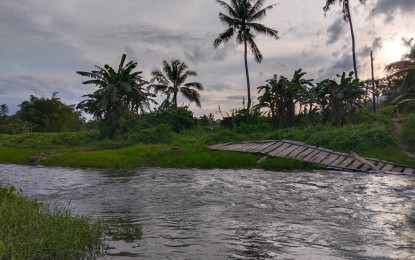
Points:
(239, 214)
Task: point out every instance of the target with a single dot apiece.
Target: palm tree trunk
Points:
(248, 85)
(175, 99)
(353, 45)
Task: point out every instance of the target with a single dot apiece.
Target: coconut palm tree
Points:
(407, 60)
(404, 69)
(171, 81)
(242, 19)
(120, 94)
(347, 17)
(122, 90)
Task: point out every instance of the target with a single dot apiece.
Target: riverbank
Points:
(31, 230)
(189, 148)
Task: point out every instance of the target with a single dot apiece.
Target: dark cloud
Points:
(335, 31)
(195, 48)
(218, 87)
(377, 43)
(390, 7)
(343, 63)
(364, 52)
(17, 88)
(202, 50)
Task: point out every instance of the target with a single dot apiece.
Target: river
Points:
(238, 214)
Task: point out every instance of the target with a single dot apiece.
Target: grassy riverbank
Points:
(31, 230)
(189, 148)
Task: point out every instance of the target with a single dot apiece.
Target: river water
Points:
(238, 214)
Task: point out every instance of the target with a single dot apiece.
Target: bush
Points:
(179, 118)
(160, 134)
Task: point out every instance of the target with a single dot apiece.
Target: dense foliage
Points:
(41, 115)
(120, 95)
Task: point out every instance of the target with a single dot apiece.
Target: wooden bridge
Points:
(316, 155)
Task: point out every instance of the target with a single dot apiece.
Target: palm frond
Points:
(255, 50)
(195, 85)
(258, 15)
(191, 95)
(260, 28)
(224, 37)
(229, 21)
(228, 8)
(397, 65)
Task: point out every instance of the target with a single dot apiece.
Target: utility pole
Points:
(373, 83)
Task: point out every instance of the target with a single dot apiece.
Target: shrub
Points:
(179, 118)
(160, 134)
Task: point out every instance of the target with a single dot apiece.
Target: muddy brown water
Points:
(238, 214)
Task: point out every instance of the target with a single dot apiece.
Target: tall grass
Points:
(30, 230)
(189, 148)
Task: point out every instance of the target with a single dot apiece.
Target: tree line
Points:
(124, 100)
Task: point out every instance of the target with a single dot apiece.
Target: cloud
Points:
(237, 97)
(390, 7)
(18, 87)
(335, 31)
(364, 52)
(218, 87)
(202, 50)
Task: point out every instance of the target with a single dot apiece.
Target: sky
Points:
(43, 43)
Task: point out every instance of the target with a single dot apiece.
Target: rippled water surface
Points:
(239, 214)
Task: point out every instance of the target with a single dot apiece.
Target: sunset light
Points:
(394, 50)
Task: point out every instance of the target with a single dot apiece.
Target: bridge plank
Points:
(272, 147)
(279, 150)
(330, 159)
(259, 147)
(311, 155)
(308, 153)
(409, 170)
(347, 162)
(297, 151)
(291, 149)
(387, 167)
(302, 155)
(318, 158)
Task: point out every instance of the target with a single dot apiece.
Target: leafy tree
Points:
(120, 95)
(242, 19)
(4, 110)
(172, 80)
(339, 98)
(48, 115)
(347, 17)
(281, 96)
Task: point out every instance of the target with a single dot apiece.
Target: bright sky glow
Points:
(394, 51)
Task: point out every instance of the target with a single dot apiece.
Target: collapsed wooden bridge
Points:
(316, 155)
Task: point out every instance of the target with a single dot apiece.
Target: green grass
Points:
(16, 155)
(30, 230)
(189, 148)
